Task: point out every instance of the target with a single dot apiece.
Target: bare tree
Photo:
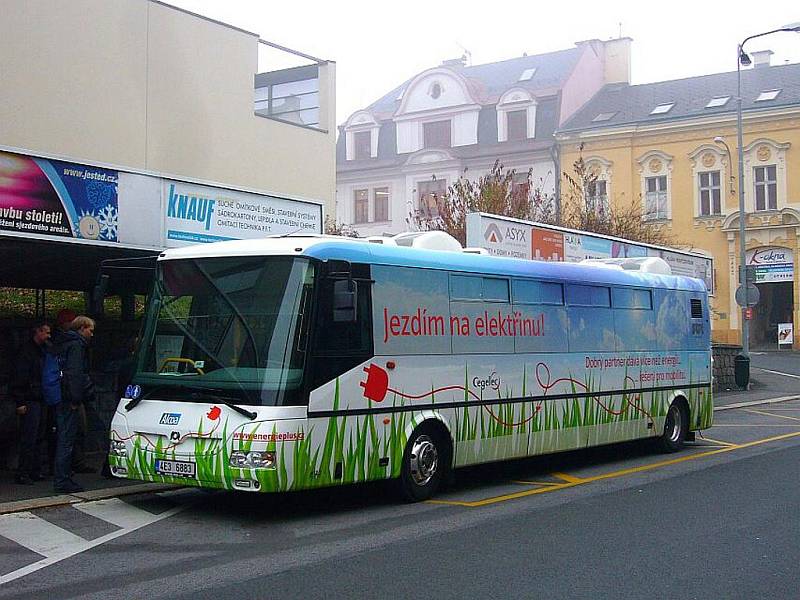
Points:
(333, 227)
(501, 192)
(586, 207)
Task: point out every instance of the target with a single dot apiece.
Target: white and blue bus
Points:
(299, 362)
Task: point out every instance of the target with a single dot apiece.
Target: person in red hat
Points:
(64, 319)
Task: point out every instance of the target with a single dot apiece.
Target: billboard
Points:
(56, 198)
(199, 214)
(503, 236)
(44, 197)
(771, 264)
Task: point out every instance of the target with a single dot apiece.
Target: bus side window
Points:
(634, 319)
(591, 321)
(339, 330)
(340, 345)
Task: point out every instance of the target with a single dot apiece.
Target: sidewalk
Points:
(15, 497)
(763, 386)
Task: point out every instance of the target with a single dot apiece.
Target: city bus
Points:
(298, 362)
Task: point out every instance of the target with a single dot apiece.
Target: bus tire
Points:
(425, 464)
(676, 427)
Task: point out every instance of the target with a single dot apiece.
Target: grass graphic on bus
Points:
(359, 443)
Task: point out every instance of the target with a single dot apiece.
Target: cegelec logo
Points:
(492, 382)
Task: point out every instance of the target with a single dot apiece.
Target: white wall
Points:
(141, 85)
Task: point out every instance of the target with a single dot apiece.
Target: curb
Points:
(87, 496)
(757, 402)
(143, 488)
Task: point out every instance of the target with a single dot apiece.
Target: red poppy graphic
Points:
(214, 413)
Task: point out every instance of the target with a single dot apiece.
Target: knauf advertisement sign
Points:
(201, 214)
(55, 198)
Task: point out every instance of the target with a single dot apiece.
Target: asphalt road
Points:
(784, 361)
(714, 521)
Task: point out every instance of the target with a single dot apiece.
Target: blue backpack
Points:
(52, 376)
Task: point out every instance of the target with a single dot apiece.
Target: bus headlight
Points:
(252, 460)
(118, 449)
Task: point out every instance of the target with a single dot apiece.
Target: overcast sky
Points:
(379, 45)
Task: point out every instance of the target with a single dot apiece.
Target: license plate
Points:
(175, 468)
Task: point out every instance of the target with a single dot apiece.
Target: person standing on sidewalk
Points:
(77, 389)
(64, 320)
(27, 389)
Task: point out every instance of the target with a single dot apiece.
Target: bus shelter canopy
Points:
(54, 265)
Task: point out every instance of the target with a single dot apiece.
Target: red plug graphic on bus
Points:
(213, 414)
(377, 383)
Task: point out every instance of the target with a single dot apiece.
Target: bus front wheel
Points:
(676, 427)
(424, 464)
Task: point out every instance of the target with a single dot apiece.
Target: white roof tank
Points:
(428, 240)
(650, 264)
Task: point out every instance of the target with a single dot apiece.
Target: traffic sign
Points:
(747, 296)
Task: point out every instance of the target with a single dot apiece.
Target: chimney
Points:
(761, 58)
(617, 60)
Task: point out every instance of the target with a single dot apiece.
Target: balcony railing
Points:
(290, 94)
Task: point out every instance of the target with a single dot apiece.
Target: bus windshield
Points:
(234, 328)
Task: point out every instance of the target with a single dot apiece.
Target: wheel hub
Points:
(424, 460)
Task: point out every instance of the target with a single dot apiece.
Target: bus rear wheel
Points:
(676, 427)
(424, 465)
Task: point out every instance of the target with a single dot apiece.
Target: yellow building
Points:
(671, 146)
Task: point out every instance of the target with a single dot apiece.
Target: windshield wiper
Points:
(133, 403)
(225, 400)
(197, 395)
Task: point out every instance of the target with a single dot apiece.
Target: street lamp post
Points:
(743, 59)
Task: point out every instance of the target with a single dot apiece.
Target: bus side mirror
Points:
(344, 301)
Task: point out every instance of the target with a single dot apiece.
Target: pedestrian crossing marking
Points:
(117, 512)
(55, 544)
(39, 535)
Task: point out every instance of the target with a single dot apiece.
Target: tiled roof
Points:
(633, 104)
(488, 82)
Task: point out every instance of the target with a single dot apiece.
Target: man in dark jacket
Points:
(77, 389)
(27, 390)
(64, 320)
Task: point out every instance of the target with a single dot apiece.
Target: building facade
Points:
(143, 85)
(128, 120)
(671, 147)
(396, 155)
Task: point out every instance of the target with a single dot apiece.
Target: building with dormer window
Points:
(671, 146)
(398, 154)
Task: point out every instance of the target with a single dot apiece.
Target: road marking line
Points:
(544, 483)
(88, 545)
(761, 412)
(612, 474)
(778, 372)
(757, 402)
(117, 512)
(39, 535)
(719, 442)
(568, 478)
(753, 424)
